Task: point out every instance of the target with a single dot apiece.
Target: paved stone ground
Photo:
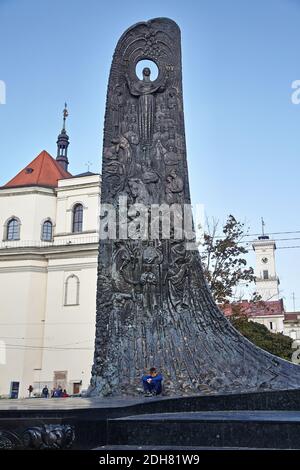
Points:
(73, 403)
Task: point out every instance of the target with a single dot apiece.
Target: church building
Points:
(48, 271)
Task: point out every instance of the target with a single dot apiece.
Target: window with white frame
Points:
(13, 229)
(47, 231)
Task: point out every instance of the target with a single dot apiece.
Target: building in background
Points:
(292, 326)
(270, 311)
(267, 281)
(48, 270)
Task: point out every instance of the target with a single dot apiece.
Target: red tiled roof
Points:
(291, 316)
(42, 171)
(255, 309)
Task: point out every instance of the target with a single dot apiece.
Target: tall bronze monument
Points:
(153, 305)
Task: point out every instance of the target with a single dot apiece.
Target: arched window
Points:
(72, 285)
(77, 218)
(13, 229)
(47, 231)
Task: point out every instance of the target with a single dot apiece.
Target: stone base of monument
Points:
(260, 420)
(213, 429)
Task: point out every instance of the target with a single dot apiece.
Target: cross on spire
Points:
(65, 115)
(88, 164)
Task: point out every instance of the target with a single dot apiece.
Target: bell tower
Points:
(63, 143)
(267, 281)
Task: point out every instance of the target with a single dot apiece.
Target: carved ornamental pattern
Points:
(48, 436)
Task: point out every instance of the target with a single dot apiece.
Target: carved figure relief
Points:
(153, 305)
(174, 187)
(145, 90)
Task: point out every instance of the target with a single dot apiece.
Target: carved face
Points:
(134, 188)
(114, 183)
(146, 72)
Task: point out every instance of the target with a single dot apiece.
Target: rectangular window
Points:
(271, 325)
(266, 274)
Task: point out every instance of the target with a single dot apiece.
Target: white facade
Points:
(274, 323)
(48, 289)
(267, 281)
(292, 327)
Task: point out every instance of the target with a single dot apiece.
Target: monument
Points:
(154, 307)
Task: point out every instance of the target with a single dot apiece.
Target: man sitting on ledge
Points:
(152, 383)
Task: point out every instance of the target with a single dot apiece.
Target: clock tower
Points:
(267, 281)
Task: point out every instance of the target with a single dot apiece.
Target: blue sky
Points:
(239, 60)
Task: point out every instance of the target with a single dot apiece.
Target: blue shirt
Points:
(157, 378)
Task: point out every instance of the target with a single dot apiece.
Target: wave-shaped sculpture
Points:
(154, 307)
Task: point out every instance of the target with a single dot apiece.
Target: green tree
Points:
(223, 258)
(275, 343)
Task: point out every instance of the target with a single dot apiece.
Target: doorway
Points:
(76, 387)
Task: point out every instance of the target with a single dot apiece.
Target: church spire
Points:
(63, 143)
(263, 236)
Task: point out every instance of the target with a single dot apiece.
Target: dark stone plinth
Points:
(261, 420)
(226, 429)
